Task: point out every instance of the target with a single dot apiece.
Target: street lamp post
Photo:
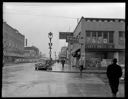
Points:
(50, 35)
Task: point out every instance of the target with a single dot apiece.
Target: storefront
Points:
(100, 40)
(75, 57)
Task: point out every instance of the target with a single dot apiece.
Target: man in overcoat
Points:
(114, 72)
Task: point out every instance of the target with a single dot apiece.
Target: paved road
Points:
(23, 81)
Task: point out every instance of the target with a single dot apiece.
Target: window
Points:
(111, 37)
(121, 34)
(105, 35)
(99, 39)
(93, 34)
(99, 34)
(88, 34)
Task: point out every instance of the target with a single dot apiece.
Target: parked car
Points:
(40, 66)
(45, 65)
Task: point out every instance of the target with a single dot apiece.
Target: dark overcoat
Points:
(114, 72)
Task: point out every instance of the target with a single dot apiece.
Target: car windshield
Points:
(42, 61)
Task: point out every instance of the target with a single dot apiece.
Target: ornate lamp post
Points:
(50, 35)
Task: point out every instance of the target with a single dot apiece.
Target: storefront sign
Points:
(72, 39)
(99, 46)
(63, 35)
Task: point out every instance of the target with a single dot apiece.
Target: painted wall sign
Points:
(99, 46)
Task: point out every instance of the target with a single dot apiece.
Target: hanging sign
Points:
(72, 39)
(63, 35)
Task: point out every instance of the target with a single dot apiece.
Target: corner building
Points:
(13, 44)
(101, 39)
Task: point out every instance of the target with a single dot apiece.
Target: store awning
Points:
(75, 53)
(75, 50)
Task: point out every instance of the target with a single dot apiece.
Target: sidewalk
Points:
(57, 67)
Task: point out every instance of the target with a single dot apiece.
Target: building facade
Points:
(63, 53)
(31, 52)
(100, 40)
(13, 43)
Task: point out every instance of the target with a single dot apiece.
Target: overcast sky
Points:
(36, 20)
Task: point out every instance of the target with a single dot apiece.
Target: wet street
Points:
(22, 80)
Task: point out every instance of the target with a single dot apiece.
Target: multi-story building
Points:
(13, 43)
(63, 53)
(100, 39)
(31, 52)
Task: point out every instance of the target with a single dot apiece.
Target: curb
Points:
(75, 72)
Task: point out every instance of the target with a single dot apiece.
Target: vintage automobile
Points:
(45, 65)
(40, 66)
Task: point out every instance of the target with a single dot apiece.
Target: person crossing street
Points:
(81, 64)
(62, 62)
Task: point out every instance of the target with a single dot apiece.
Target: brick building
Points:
(100, 39)
(13, 43)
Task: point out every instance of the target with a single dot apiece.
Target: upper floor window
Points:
(88, 34)
(121, 38)
(121, 34)
(105, 35)
(99, 34)
(93, 34)
(111, 37)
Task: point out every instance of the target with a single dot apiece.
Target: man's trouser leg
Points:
(114, 87)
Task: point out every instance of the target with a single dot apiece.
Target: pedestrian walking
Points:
(114, 72)
(62, 62)
(81, 64)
